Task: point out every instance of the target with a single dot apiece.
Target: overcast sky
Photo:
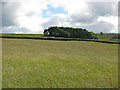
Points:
(33, 16)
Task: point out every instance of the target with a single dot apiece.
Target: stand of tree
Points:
(68, 32)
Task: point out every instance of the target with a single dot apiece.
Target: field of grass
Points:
(59, 64)
(22, 35)
(105, 37)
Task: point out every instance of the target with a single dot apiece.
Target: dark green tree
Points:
(101, 33)
(69, 32)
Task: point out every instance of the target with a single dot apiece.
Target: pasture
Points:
(105, 37)
(59, 64)
(22, 35)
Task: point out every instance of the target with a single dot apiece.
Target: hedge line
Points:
(59, 39)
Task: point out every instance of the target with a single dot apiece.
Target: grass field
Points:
(59, 64)
(105, 37)
(23, 35)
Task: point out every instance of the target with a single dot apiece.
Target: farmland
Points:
(22, 35)
(59, 64)
(107, 37)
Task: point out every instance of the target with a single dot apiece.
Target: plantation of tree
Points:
(68, 32)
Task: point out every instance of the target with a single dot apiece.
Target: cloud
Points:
(102, 8)
(56, 20)
(83, 18)
(9, 14)
(101, 27)
(93, 11)
(28, 15)
(112, 20)
(94, 16)
(23, 14)
(15, 29)
(31, 13)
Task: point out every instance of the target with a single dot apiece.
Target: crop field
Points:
(59, 64)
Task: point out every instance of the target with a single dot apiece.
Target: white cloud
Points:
(27, 15)
(112, 20)
(14, 29)
(9, 11)
(100, 27)
(32, 23)
(48, 13)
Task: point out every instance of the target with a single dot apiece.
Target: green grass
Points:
(105, 37)
(22, 35)
(59, 64)
(108, 37)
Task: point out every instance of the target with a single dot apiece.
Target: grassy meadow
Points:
(59, 64)
(108, 37)
(22, 35)
(105, 37)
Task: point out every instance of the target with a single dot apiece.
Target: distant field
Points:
(104, 37)
(107, 36)
(23, 35)
(59, 64)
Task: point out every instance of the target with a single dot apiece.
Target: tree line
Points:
(69, 32)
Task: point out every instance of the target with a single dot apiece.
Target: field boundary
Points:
(58, 39)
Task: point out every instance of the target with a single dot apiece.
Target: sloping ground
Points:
(107, 36)
(60, 64)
